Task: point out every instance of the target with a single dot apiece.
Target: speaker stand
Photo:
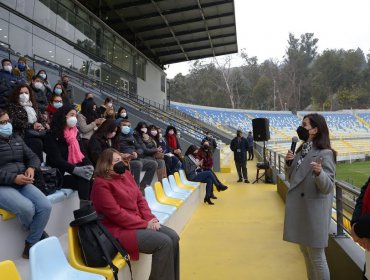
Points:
(265, 165)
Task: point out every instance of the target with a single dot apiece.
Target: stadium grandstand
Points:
(116, 51)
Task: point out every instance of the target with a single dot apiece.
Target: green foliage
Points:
(331, 80)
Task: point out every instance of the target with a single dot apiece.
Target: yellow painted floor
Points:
(240, 237)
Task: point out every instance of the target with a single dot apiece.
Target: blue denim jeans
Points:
(31, 207)
(207, 177)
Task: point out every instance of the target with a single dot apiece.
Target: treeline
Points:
(304, 79)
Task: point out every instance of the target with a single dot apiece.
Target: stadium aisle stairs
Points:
(240, 237)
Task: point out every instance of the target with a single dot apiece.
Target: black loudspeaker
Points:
(261, 129)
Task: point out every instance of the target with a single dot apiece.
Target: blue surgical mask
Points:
(58, 91)
(57, 105)
(42, 76)
(125, 129)
(6, 129)
(21, 67)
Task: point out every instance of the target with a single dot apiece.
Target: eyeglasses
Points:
(4, 122)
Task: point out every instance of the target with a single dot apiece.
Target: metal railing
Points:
(345, 194)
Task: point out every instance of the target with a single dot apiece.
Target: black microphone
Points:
(292, 148)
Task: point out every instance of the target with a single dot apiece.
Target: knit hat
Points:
(22, 58)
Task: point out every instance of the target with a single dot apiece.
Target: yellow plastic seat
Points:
(75, 258)
(6, 214)
(9, 271)
(162, 198)
(180, 184)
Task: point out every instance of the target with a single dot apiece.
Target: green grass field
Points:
(355, 173)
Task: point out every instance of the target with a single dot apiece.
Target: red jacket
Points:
(124, 208)
(207, 159)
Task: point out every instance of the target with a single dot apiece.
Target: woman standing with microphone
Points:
(311, 176)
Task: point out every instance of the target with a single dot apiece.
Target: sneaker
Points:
(246, 181)
(26, 251)
(240, 180)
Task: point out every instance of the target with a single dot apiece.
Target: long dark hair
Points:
(155, 138)
(321, 140)
(87, 109)
(104, 129)
(191, 150)
(139, 126)
(59, 121)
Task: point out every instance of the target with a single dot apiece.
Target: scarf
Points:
(306, 147)
(31, 113)
(366, 201)
(193, 159)
(171, 139)
(51, 109)
(74, 153)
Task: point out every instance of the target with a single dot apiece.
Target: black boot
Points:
(213, 196)
(208, 200)
(26, 251)
(240, 180)
(221, 188)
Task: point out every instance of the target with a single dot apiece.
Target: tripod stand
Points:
(262, 165)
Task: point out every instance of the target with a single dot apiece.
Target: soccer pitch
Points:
(355, 173)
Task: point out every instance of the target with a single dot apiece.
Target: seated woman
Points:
(17, 193)
(60, 90)
(64, 151)
(194, 173)
(151, 151)
(55, 103)
(128, 218)
(108, 103)
(105, 137)
(172, 162)
(27, 119)
(172, 141)
(88, 121)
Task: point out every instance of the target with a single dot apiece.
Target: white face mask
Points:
(24, 97)
(37, 85)
(123, 115)
(42, 76)
(8, 68)
(72, 121)
(110, 104)
(154, 132)
(144, 129)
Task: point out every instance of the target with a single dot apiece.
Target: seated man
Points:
(7, 82)
(132, 151)
(17, 193)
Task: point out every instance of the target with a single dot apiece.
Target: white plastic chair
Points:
(48, 262)
(169, 192)
(154, 205)
(175, 188)
(162, 217)
(186, 181)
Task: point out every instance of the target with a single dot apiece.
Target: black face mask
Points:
(303, 133)
(119, 167)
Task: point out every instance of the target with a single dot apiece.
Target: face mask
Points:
(57, 105)
(58, 91)
(37, 85)
(110, 104)
(6, 129)
(123, 115)
(205, 147)
(24, 97)
(65, 83)
(43, 76)
(303, 133)
(144, 130)
(8, 68)
(125, 129)
(119, 167)
(111, 135)
(160, 135)
(171, 132)
(72, 121)
(154, 132)
(21, 67)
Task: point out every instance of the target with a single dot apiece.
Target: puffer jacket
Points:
(15, 158)
(128, 144)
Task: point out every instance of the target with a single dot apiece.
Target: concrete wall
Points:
(151, 87)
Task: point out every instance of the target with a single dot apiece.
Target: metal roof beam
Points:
(164, 53)
(170, 61)
(178, 10)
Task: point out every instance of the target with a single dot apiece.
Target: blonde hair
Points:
(104, 163)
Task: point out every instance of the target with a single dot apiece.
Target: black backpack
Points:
(98, 246)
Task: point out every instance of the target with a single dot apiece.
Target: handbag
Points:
(48, 179)
(158, 155)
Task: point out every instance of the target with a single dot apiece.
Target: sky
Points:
(263, 27)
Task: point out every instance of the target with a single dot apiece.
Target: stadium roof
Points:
(171, 31)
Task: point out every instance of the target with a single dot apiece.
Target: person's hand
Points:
(134, 155)
(23, 180)
(47, 126)
(316, 166)
(289, 155)
(85, 172)
(37, 126)
(364, 243)
(30, 172)
(159, 149)
(157, 226)
(99, 121)
(125, 155)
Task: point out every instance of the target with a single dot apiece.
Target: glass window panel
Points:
(20, 22)
(64, 57)
(20, 40)
(4, 37)
(66, 20)
(43, 49)
(44, 15)
(9, 3)
(25, 7)
(107, 49)
(94, 70)
(118, 56)
(44, 34)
